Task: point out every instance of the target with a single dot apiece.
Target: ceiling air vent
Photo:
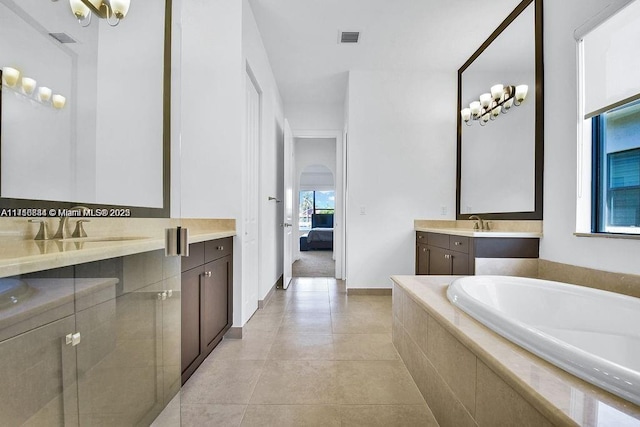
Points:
(349, 36)
(62, 37)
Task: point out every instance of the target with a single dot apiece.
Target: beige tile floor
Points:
(313, 356)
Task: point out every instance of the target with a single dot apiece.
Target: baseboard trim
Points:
(234, 333)
(263, 302)
(369, 291)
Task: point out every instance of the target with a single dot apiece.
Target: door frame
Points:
(339, 235)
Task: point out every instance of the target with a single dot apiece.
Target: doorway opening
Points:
(317, 206)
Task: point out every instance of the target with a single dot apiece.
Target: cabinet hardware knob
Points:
(73, 339)
(220, 248)
(424, 250)
(170, 293)
(207, 274)
(162, 295)
(419, 237)
(447, 256)
(457, 243)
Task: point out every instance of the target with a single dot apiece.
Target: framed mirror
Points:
(87, 119)
(501, 135)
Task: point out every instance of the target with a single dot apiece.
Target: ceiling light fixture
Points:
(104, 9)
(499, 100)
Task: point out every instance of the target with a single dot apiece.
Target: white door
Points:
(250, 250)
(287, 220)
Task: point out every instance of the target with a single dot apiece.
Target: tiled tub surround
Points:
(582, 330)
(471, 376)
(20, 254)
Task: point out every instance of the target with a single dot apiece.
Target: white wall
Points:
(212, 107)
(559, 244)
(315, 116)
(401, 166)
(271, 153)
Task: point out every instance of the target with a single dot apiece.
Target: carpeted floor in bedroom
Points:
(315, 264)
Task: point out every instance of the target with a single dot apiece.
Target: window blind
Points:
(611, 60)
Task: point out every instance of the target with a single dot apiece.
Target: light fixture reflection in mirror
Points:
(500, 100)
(26, 86)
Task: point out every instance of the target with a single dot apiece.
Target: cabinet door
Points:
(439, 261)
(190, 303)
(459, 263)
(422, 259)
(214, 301)
(38, 377)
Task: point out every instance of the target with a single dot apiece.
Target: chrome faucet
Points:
(63, 221)
(479, 225)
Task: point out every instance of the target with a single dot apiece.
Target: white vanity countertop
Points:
(469, 232)
(26, 256)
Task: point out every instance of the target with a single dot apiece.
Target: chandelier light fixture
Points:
(111, 11)
(491, 104)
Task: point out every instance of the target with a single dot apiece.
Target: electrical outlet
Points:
(443, 210)
(363, 210)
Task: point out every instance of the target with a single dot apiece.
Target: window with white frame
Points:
(609, 153)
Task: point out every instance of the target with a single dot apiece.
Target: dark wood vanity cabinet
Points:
(442, 254)
(207, 300)
(447, 254)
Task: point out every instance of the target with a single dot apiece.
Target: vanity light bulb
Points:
(58, 101)
(120, 8)
(10, 76)
(485, 99)
(79, 9)
(508, 103)
(466, 114)
(44, 94)
(497, 91)
(475, 108)
(521, 92)
(28, 85)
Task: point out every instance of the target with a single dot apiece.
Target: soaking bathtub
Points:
(593, 334)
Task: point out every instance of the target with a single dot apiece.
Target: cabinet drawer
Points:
(459, 244)
(421, 237)
(195, 258)
(215, 249)
(439, 240)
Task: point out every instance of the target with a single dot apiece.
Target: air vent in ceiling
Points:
(62, 37)
(349, 36)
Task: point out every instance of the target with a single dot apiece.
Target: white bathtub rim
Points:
(556, 349)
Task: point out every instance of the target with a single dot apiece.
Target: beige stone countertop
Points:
(469, 232)
(25, 256)
(558, 395)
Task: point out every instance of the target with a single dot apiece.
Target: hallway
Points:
(313, 356)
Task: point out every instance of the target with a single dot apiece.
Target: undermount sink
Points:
(103, 239)
(12, 291)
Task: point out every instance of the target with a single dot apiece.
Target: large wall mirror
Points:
(500, 161)
(87, 121)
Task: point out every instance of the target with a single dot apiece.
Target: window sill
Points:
(609, 235)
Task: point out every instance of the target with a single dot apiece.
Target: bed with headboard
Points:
(321, 234)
